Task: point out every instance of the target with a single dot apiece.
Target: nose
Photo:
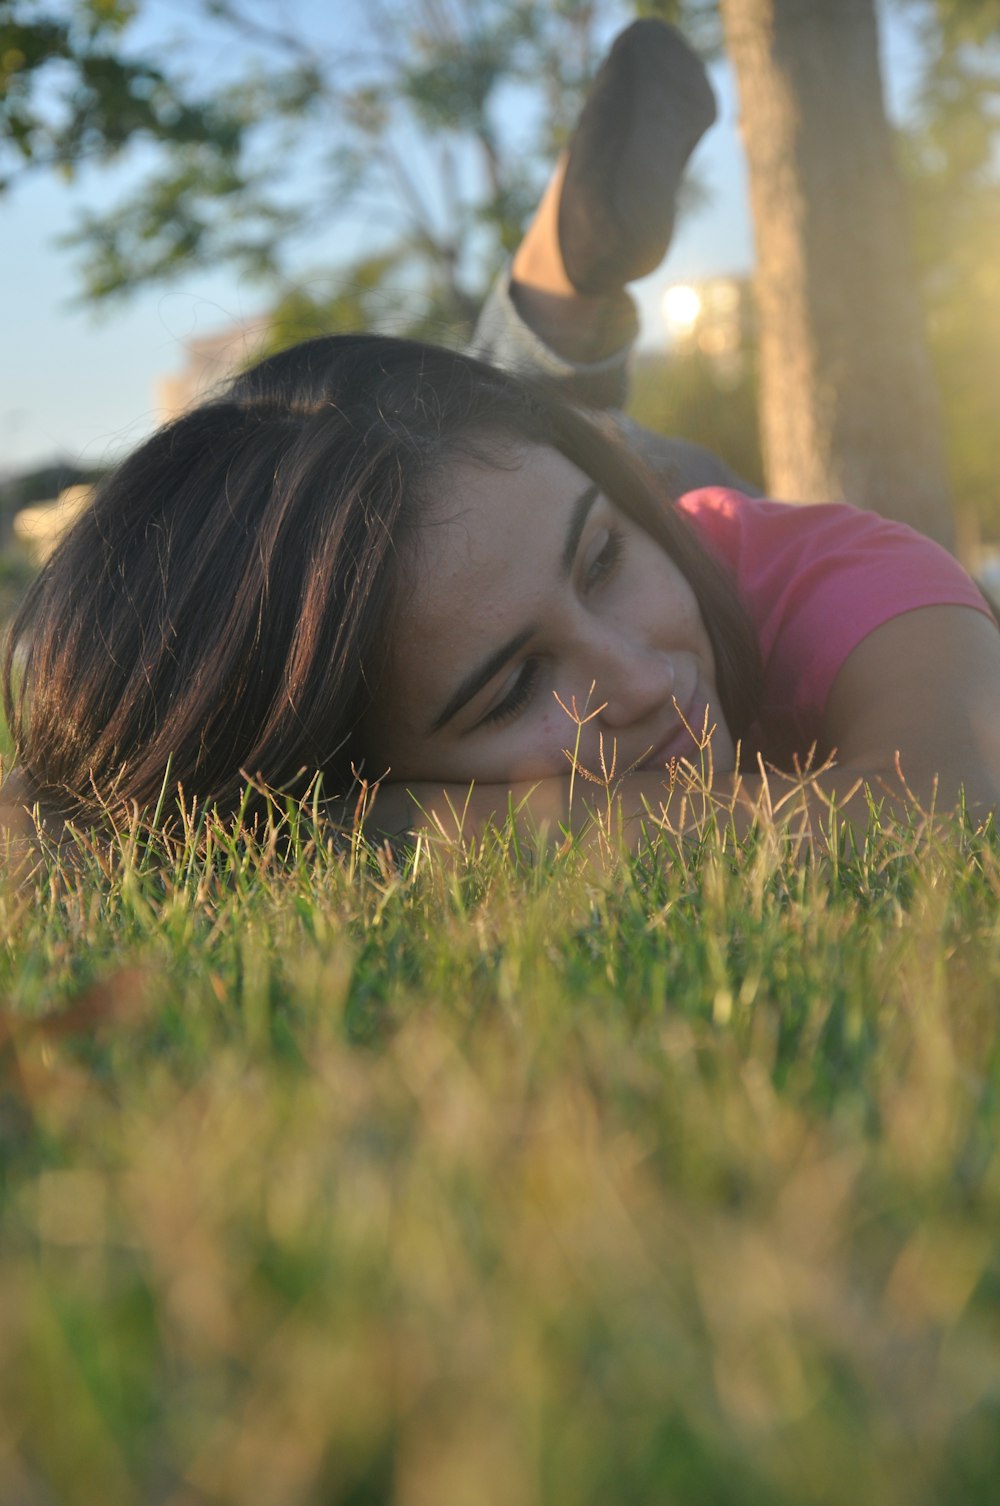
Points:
(632, 681)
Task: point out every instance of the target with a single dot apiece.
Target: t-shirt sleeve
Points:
(816, 580)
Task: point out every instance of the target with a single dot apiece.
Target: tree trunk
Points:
(848, 403)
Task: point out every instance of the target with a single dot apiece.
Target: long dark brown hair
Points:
(222, 609)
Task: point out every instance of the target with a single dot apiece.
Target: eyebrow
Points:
(484, 672)
(578, 519)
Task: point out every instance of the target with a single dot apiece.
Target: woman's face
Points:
(532, 595)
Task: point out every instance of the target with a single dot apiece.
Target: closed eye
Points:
(516, 698)
(603, 556)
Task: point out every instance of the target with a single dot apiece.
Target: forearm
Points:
(809, 808)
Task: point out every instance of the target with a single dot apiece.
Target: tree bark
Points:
(848, 403)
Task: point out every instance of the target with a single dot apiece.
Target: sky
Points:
(80, 384)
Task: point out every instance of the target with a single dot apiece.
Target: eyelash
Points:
(517, 698)
(520, 694)
(605, 563)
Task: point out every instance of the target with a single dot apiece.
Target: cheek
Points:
(655, 599)
(558, 731)
(554, 724)
(535, 749)
(679, 604)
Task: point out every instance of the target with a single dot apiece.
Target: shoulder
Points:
(740, 520)
(817, 581)
(813, 558)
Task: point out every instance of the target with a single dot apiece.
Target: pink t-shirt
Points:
(816, 580)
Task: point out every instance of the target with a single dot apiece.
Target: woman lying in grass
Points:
(375, 555)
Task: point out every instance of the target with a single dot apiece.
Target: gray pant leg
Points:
(502, 338)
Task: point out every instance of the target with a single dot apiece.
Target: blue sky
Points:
(82, 384)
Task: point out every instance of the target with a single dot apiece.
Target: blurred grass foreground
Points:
(468, 1181)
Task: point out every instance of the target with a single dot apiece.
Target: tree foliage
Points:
(430, 125)
(69, 95)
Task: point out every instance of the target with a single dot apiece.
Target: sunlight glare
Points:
(682, 307)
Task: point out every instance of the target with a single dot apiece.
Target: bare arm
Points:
(925, 685)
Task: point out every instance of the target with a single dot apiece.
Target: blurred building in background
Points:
(40, 527)
(209, 362)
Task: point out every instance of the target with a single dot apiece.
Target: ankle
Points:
(538, 262)
(574, 326)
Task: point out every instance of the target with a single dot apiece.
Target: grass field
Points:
(474, 1182)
